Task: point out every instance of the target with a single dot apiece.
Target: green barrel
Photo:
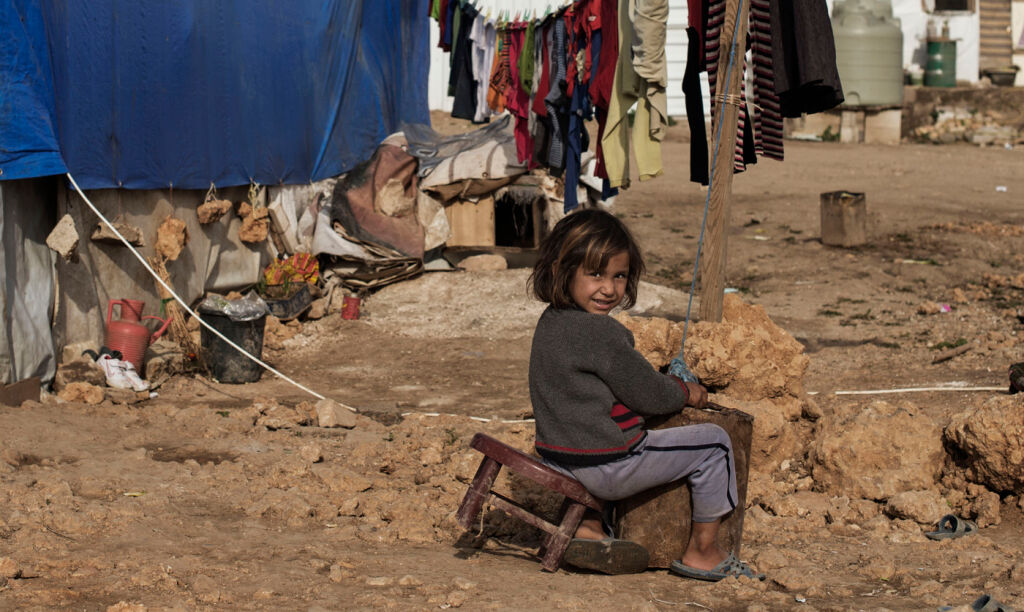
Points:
(940, 71)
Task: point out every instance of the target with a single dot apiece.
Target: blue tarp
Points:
(149, 94)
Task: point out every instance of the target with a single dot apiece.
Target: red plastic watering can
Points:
(128, 334)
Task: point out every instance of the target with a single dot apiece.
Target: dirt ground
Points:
(216, 496)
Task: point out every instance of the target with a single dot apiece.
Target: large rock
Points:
(922, 507)
(775, 439)
(991, 438)
(82, 392)
(746, 356)
(880, 451)
(330, 413)
(81, 369)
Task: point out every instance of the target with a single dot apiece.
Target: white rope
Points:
(920, 390)
(185, 306)
(470, 417)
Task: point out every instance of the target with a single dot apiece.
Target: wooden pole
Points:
(712, 268)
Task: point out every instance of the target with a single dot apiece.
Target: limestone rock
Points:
(311, 453)
(657, 339)
(341, 480)
(923, 507)
(64, 238)
(127, 606)
(275, 416)
(318, 309)
(164, 359)
(775, 439)
(747, 355)
(255, 223)
(82, 392)
(171, 238)
(860, 457)
(125, 396)
(82, 369)
(131, 233)
(211, 211)
(9, 568)
(332, 414)
(484, 263)
(802, 504)
(991, 437)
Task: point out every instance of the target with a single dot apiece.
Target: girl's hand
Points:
(698, 395)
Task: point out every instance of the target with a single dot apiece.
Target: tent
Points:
(148, 104)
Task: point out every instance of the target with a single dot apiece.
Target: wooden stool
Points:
(577, 499)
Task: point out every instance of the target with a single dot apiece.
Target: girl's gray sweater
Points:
(590, 388)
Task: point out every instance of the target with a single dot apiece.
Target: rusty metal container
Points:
(659, 518)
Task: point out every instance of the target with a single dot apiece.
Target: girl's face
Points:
(599, 291)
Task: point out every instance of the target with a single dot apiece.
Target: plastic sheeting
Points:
(26, 269)
(28, 139)
(151, 94)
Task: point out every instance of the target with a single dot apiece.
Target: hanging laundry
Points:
(794, 72)
(483, 38)
(557, 100)
(462, 83)
(517, 99)
(501, 77)
(804, 58)
(629, 88)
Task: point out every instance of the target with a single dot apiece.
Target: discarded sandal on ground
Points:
(951, 526)
(609, 556)
(985, 603)
(729, 567)
(1017, 378)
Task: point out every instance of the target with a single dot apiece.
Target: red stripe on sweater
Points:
(592, 451)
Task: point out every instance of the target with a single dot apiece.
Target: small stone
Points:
(811, 410)
(380, 581)
(484, 263)
(263, 594)
(338, 573)
(349, 507)
(127, 606)
(82, 392)
(131, 233)
(317, 310)
(311, 453)
(125, 396)
(409, 580)
(430, 456)
(81, 369)
(924, 507)
(464, 584)
(455, 599)
(64, 238)
(332, 414)
(8, 568)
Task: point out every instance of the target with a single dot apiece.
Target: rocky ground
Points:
(215, 496)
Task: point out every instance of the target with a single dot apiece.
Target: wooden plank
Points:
(472, 223)
(712, 274)
(15, 394)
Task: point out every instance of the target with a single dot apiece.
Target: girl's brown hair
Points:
(587, 238)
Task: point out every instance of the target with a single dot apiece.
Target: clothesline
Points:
(588, 59)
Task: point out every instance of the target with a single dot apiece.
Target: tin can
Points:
(350, 307)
